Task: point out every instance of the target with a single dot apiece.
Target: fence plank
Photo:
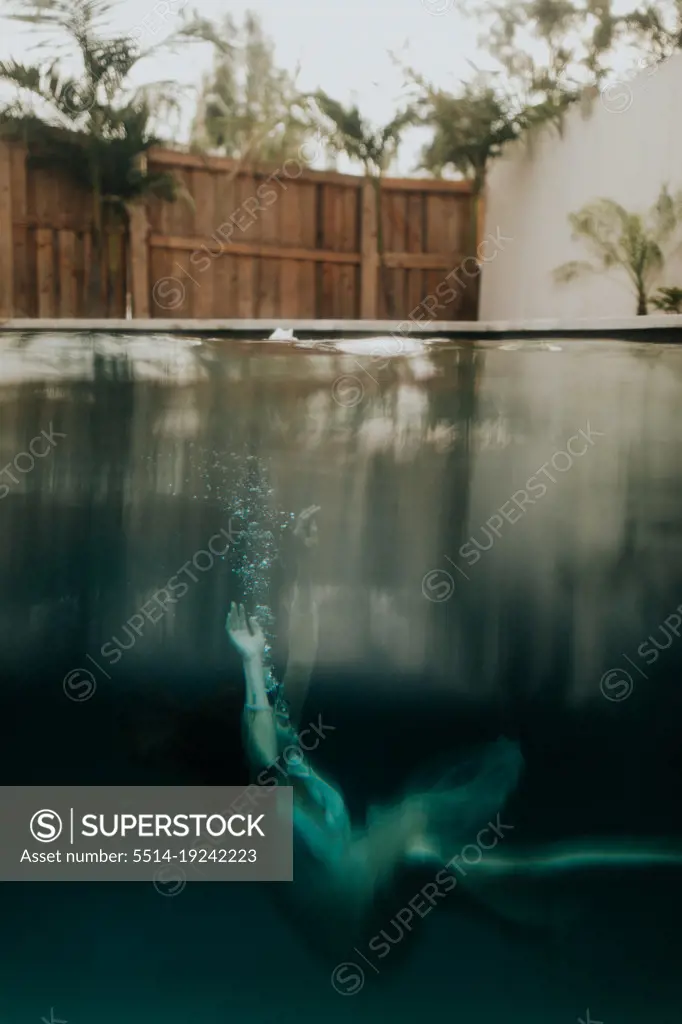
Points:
(288, 289)
(226, 267)
(168, 286)
(67, 273)
(368, 271)
(414, 286)
(139, 259)
(187, 284)
(225, 287)
(203, 190)
(87, 268)
(225, 203)
(248, 230)
(6, 233)
(101, 299)
(116, 274)
(399, 245)
(348, 275)
(480, 225)
(291, 227)
(45, 272)
(329, 235)
(182, 210)
(307, 273)
(384, 277)
(246, 287)
(269, 271)
(22, 303)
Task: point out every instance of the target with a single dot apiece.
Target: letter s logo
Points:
(46, 826)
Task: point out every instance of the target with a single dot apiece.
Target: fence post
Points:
(139, 260)
(480, 228)
(6, 233)
(369, 253)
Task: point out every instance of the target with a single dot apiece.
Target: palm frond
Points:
(348, 132)
(573, 269)
(200, 30)
(668, 300)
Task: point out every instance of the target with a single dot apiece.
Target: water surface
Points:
(500, 544)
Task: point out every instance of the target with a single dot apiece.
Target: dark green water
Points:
(472, 581)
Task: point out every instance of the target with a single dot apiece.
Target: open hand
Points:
(249, 642)
(305, 530)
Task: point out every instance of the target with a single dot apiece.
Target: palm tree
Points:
(92, 127)
(249, 109)
(346, 131)
(633, 242)
(469, 129)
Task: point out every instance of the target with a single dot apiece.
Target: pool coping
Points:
(473, 328)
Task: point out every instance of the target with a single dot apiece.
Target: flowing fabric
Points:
(340, 868)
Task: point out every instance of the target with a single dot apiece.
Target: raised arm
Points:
(303, 620)
(259, 720)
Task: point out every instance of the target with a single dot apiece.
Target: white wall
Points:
(625, 149)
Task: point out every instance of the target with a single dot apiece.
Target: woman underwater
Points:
(344, 872)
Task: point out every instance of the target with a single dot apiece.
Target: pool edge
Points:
(473, 328)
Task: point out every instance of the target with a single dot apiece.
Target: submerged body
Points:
(346, 874)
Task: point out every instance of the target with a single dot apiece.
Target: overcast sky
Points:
(341, 46)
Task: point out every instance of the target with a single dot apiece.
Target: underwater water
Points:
(500, 553)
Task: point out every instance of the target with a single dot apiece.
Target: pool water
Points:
(500, 552)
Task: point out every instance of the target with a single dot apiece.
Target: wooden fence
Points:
(244, 243)
(46, 261)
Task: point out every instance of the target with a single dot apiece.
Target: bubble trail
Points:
(261, 526)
